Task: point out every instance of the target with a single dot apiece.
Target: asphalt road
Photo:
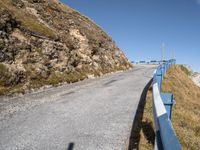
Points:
(95, 114)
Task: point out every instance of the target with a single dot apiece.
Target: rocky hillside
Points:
(44, 42)
(196, 78)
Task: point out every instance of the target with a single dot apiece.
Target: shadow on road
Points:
(139, 125)
(70, 146)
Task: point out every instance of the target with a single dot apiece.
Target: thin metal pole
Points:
(163, 51)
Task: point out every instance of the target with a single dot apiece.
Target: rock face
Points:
(196, 79)
(43, 42)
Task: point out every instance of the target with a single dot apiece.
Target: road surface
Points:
(95, 114)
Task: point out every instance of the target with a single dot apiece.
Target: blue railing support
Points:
(168, 100)
(166, 138)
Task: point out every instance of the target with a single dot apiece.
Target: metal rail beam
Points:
(166, 138)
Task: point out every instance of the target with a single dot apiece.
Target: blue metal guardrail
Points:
(153, 62)
(166, 138)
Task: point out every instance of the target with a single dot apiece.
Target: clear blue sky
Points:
(140, 26)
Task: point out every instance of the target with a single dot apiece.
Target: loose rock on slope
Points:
(45, 42)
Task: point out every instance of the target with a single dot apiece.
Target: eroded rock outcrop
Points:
(45, 42)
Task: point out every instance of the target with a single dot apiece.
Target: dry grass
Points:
(186, 113)
(4, 75)
(147, 135)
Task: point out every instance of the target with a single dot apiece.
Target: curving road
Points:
(95, 114)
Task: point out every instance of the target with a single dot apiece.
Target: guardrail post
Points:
(168, 66)
(168, 100)
(163, 71)
(159, 78)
